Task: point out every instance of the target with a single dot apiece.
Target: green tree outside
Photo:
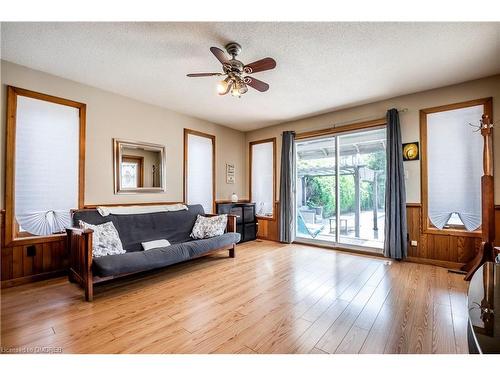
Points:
(320, 190)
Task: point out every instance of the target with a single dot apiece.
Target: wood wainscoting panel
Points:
(7, 263)
(413, 223)
(30, 262)
(268, 229)
(440, 249)
(22, 264)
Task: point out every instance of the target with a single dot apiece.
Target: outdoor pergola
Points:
(351, 149)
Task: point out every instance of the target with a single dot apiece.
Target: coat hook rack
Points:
(486, 252)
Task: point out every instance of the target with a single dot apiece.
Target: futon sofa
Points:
(133, 229)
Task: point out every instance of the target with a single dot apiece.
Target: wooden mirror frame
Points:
(12, 234)
(118, 155)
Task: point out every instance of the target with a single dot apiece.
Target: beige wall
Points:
(409, 122)
(113, 116)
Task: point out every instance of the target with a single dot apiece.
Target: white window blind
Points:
(262, 178)
(199, 172)
(455, 166)
(46, 165)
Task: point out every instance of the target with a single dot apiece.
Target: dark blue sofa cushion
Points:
(138, 261)
(133, 229)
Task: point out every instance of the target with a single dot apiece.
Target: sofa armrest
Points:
(80, 258)
(231, 221)
(79, 231)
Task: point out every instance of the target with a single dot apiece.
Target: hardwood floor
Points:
(272, 298)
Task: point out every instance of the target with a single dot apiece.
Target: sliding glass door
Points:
(316, 189)
(341, 189)
(362, 188)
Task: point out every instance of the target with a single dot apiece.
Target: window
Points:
(45, 163)
(199, 169)
(132, 171)
(263, 176)
(452, 166)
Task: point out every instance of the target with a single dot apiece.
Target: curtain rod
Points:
(352, 121)
(367, 118)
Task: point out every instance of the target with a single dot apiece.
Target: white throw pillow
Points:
(105, 239)
(154, 244)
(206, 227)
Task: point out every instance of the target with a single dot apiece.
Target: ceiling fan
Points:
(237, 80)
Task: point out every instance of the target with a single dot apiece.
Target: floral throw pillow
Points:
(206, 227)
(105, 239)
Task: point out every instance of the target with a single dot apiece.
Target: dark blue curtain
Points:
(395, 243)
(287, 188)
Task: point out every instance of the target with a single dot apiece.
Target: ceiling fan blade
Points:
(260, 65)
(221, 56)
(256, 84)
(204, 74)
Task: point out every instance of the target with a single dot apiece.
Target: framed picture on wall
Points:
(411, 151)
(230, 173)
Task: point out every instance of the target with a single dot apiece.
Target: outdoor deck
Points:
(367, 236)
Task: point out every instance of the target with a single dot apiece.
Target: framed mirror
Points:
(139, 167)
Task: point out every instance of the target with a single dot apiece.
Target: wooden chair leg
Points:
(232, 253)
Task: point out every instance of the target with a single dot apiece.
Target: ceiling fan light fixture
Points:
(224, 86)
(236, 81)
(239, 88)
(243, 88)
(235, 91)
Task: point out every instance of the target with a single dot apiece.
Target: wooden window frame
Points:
(188, 132)
(427, 226)
(354, 127)
(12, 235)
(250, 153)
(139, 160)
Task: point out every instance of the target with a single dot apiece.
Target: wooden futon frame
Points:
(80, 257)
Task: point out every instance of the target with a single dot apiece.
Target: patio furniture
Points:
(308, 214)
(343, 225)
(310, 229)
(319, 210)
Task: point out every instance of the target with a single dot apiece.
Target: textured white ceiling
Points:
(320, 66)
